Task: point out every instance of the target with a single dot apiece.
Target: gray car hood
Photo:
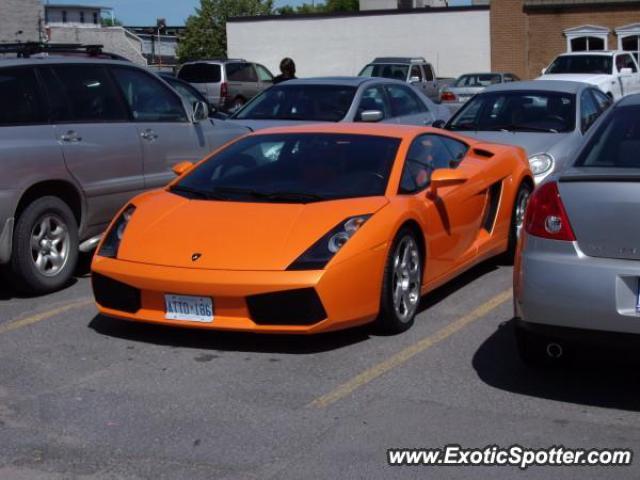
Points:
(532, 142)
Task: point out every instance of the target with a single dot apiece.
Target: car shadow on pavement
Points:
(600, 377)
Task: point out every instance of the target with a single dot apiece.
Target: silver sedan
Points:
(578, 265)
(548, 119)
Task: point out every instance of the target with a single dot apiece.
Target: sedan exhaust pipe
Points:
(554, 350)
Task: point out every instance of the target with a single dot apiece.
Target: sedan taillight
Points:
(546, 216)
(447, 96)
(224, 90)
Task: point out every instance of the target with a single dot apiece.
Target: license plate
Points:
(189, 308)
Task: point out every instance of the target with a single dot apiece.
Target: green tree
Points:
(205, 34)
(111, 22)
(320, 7)
(342, 6)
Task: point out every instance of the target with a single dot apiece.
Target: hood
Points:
(262, 124)
(167, 229)
(532, 142)
(592, 78)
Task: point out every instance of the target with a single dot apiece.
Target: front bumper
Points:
(349, 292)
(555, 284)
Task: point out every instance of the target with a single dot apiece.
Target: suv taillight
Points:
(224, 90)
(546, 216)
(447, 96)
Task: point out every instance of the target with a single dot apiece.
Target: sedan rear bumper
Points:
(555, 284)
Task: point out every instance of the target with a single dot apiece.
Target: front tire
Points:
(517, 218)
(45, 246)
(402, 282)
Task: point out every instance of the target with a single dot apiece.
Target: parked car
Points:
(311, 229)
(414, 70)
(614, 72)
(339, 99)
(547, 119)
(576, 277)
(469, 84)
(191, 94)
(226, 83)
(79, 137)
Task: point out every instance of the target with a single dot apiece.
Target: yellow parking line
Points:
(38, 317)
(404, 355)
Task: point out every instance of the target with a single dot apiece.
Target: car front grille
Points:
(115, 295)
(291, 307)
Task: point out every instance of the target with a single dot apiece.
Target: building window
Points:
(81, 17)
(631, 44)
(64, 16)
(584, 44)
(95, 18)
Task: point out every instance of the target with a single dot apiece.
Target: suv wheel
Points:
(45, 246)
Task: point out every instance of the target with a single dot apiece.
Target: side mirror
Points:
(182, 168)
(626, 71)
(543, 71)
(200, 112)
(445, 177)
(439, 123)
(371, 116)
(414, 80)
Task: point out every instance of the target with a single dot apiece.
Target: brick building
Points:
(527, 34)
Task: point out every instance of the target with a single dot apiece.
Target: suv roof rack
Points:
(399, 60)
(27, 49)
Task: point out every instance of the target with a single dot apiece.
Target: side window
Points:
(148, 99)
(90, 95)
(416, 72)
(20, 97)
(428, 72)
(404, 102)
(603, 100)
(589, 111)
(263, 74)
(373, 99)
(629, 63)
(241, 72)
(426, 154)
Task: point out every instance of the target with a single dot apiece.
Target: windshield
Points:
(398, 71)
(581, 64)
(616, 144)
(318, 103)
(517, 111)
(477, 80)
(294, 168)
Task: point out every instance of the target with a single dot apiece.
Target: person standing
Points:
(287, 71)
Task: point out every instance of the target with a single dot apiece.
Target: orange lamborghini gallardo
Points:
(311, 229)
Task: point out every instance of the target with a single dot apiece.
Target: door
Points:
(453, 218)
(168, 136)
(242, 79)
(406, 107)
(100, 143)
(629, 80)
(430, 83)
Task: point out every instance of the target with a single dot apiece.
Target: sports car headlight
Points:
(112, 241)
(540, 163)
(324, 249)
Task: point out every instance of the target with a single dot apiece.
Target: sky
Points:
(145, 12)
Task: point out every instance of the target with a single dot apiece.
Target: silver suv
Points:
(227, 84)
(78, 138)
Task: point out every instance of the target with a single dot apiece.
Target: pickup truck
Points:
(616, 73)
(414, 70)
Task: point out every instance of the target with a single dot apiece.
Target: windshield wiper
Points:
(275, 196)
(197, 193)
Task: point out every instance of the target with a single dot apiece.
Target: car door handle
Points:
(70, 137)
(149, 134)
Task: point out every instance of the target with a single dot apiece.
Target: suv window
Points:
(403, 101)
(148, 99)
(373, 98)
(416, 71)
(90, 95)
(426, 154)
(428, 71)
(241, 72)
(200, 73)
(625, 61)
(589, 111)
(263, 74)
(20, 97)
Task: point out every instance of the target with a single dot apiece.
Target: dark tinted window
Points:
(517, 111)
(477, 80)
(427, 153)
(589, 110)
(200, 73)
(324, 103)
(626, 61)
(416, 72)
(617, 141)
(20, 100)
(581, 64)
(90, 94)
(148, 99)
(428, 72)
(241, 72)
(386, 70)
(604, 101)
(296, 168)
(404, 101)
(186, 91)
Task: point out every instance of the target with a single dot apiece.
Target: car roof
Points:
(217, 60)
(399, 60)
(60, 59)
(629, 101)
(593, 52)
(485, 73)
(563, 86)
(347, 81)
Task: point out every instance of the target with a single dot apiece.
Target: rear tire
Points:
(517, 219)
(45, 246)
(401, 284)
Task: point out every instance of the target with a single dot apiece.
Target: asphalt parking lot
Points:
(86, 397)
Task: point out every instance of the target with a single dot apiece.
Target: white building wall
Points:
(378, 4)
(454, 41)
(54, 17)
